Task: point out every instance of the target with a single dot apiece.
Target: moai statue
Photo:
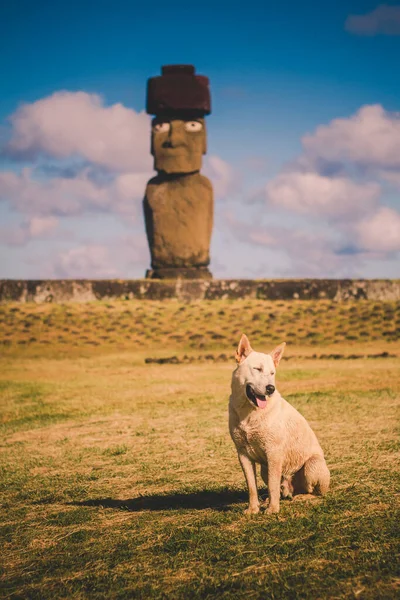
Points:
(178, 205)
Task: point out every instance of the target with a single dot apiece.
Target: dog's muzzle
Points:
(257, 399)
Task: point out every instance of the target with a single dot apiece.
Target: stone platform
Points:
(85, 290)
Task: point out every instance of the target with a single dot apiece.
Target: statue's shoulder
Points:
(203, 180)
(156, 180)
(193, 179)
(154, 187)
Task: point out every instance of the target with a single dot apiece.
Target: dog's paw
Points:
(287, 496)
(287, 490)
(252, 510)
(272, 509)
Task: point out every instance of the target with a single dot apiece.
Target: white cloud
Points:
(379, 232)
(392, 177)
(112, 258)
(61, 196)
(338, 180)
(36, 227)
(370, 138)
(221, 174)
(39, 226)
(383, 20)
(84, 262)
(127, 191)
(57, 196)
(77, 123)
(259, 236)
(312, 255)
(314, 194)
(299, 253)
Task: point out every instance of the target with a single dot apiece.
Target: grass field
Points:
(119, 478)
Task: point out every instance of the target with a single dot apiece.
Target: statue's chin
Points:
(178, 164)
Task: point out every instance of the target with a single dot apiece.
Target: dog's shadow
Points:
(220, 500)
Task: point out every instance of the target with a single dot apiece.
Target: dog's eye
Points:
(272, 372)
(257, 368)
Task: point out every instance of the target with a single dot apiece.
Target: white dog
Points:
(268, 430)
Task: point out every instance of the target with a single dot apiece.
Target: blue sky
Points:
(278, 72)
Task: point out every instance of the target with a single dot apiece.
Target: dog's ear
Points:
(243, 350)
(277, 353)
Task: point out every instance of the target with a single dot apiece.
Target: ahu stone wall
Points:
(190, 290)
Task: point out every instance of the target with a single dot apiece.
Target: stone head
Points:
(178, 144)
(179, 99)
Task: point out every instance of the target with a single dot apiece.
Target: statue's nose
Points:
(176, 135)
(270, 389)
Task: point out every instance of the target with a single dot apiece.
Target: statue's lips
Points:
(174, 154)
(177, 152)
(257, 399)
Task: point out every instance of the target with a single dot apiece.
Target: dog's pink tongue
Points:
(261, 401)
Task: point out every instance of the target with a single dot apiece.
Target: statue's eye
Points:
(193, 126)
(161, 127)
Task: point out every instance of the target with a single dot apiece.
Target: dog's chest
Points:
(252, 440)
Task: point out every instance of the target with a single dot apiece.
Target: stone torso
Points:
(179, 219)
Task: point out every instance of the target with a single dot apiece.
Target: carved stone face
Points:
(178, 145)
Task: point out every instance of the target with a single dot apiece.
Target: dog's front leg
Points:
(249, 470)
(274, 484)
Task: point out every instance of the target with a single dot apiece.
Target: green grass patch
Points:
(118, 478)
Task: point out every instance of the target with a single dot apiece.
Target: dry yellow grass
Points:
(119, 479)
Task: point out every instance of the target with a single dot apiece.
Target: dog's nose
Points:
(270, 389)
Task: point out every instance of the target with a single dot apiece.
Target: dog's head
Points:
(254, 377)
